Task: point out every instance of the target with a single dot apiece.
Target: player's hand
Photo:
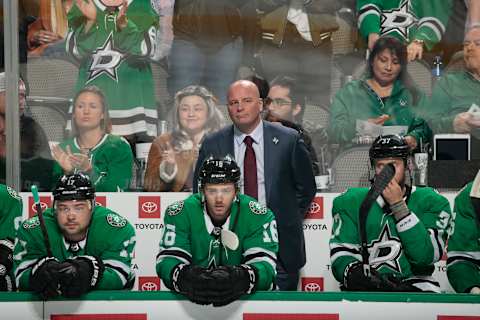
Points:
(7, 283)
(228, 283)
(45, 277)
(414, 51)
(379, 120)
(6, 256)
(191, 281)
(80, 275)
(461, 122)
(393, 193)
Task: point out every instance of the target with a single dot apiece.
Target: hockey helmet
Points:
(219, 170)
(389, 146)
(76, 186)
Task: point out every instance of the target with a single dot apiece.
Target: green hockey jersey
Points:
(188, 238)
(405, 19)
(118, 63)
(463, 263)
(408, 247)
(111, 160)
(110, 238)
(10, 213)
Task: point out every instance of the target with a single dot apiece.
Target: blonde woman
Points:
(173, 156)
(106, 158)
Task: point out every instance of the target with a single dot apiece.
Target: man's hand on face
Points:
(393, 193)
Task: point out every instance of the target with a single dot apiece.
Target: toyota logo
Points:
(98, 204)
(149, 207)
(149, 286)
(43, 205)
(312, 287)
(314, 208)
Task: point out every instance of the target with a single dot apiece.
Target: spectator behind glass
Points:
(173, 156)
(417, 23)
(45, 35)
(106, 158)
(113, 40)
(34, 149)
(384, 96)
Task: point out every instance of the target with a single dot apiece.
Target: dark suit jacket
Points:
(289, 183)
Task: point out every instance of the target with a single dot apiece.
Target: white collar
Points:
(209, 223)
(256, 134)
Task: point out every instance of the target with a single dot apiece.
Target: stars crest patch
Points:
(175, 208)
(31, 223)
(13, 193)
(257, 208)
(116, 221)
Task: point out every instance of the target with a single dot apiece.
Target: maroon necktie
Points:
(250, 169)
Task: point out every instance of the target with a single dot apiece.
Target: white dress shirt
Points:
(240, 147)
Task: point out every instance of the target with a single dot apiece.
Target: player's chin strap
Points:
(475, 196)
(379, 184)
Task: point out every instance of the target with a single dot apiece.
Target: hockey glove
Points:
(45, 277)
(355, 280)
(6, 256)
(7, 284)
(228, 283)
(192, 281)
(80, 275)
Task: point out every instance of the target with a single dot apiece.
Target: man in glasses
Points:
(218, 244)
(89, 247)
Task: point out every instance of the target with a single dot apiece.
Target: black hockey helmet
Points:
(389, 146)
(76, 186)
(219, 170)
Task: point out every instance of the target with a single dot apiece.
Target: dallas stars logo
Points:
(398, 20)
(105, 60)
(385, 250)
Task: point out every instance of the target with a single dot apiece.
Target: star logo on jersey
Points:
(398, 20)
(105, 60)
(385, 251)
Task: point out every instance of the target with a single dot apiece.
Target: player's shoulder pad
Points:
(31, 223)
(175, 208)
(257, 207)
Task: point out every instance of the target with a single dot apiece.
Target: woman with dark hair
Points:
(384, 96)
(106, 158)
(173, 156)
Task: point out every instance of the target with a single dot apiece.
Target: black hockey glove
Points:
(45, 277)
(80, 275)
(6, 256)
(7, 283)
(355, 280)
(228, 283)
(192, 281)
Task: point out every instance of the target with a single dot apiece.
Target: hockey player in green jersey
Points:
(91, 246)
(404, 229)
(218, 244)
(113, 40)
(10, 217)
(463, 263)
(418, 23)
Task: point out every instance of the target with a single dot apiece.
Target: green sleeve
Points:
(262, 243)
(10, 212)
(342, 127)
(85, 42)
(29, 247)
(437, 111)
(419, 128)
(117, 260)
(344, 241)
(463, 270)
(175, 246)
(118, 173)
(423, 234)
(433, 19)
(369, 13)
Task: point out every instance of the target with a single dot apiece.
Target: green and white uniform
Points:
(10, 215)
(463, 263)
(111, 160)
(407, 248)
(118, 63)
(110, 238)
(405, 20)
(453, 93)
(188, 238)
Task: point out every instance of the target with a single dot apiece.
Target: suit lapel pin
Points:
(275, 140)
